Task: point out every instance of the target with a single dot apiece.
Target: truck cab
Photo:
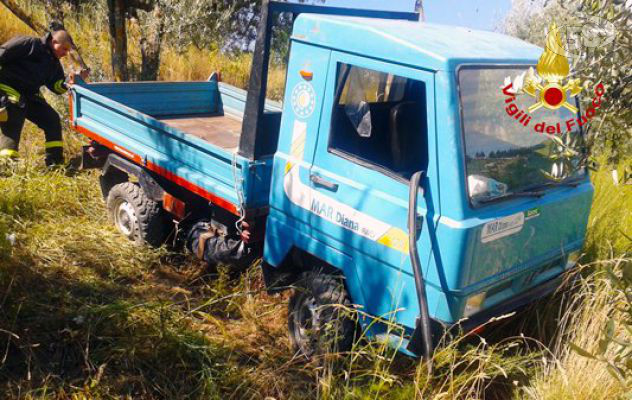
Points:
(368, 103)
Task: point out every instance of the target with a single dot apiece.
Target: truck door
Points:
(376, 127)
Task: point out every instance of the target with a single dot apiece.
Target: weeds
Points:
(83, 312)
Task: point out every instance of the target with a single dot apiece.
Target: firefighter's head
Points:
(61, 43)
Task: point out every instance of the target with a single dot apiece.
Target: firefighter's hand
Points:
(84, 73)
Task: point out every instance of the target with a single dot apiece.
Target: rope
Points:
(238, 185)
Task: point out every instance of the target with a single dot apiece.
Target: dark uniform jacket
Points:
(26, 64)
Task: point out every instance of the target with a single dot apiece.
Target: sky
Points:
(476, 14)
(392, 5)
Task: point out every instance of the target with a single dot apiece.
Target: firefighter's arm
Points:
(57, 84)
(14, 49)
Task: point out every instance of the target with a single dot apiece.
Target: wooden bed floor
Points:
(223, 131)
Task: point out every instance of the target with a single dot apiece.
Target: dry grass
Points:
(568, 375)
(189, 64)
(192, 64)
(11, 26)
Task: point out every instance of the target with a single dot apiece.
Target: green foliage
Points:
(207, 23)
(610, 237)
(611, 64)
(568, 156)
(610, 133)
(610, 223)
(610, 139)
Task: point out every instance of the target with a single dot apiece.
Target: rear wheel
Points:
(136, 216)
(320, 317)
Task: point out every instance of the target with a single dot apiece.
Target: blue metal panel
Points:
(294, 125)
(233, 101)
(462, 264)
(195, 160)
(284, 232)
(163, 98)
(256, 182)
(419, 44)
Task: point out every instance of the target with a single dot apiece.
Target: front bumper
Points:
(485, 315)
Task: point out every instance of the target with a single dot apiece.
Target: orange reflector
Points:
(308, 75)
(173, 205)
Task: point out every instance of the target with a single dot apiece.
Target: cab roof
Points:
(420, 44)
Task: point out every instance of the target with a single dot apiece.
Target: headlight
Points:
(474, 304)
(572, 259)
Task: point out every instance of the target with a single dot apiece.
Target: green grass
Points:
(610, 223)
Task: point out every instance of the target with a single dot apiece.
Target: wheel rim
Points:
(125, 218)
(306, 323)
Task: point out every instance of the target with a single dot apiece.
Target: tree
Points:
(119, 11)
(118, 39)
(611, 132)
(56, 20)
(24, 16)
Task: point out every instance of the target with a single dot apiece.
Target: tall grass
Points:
(569, 375)
(10, 26)
(197, 64)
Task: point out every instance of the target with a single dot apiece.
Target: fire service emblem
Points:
(551, 92)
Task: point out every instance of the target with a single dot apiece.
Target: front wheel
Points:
(320, 317)
(136, 216)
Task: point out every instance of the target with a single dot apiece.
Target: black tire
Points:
(137, 216)
(321, 319)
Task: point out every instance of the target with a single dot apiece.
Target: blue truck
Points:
(390, 181)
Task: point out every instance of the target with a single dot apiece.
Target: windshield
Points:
(509, 149)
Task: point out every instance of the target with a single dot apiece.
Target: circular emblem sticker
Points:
(303, 100)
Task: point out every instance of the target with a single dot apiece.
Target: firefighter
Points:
(26, 64)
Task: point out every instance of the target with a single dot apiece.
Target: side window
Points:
(379, 120)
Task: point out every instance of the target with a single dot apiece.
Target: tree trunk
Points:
(16, 10)
(150, 45)
(118, 39)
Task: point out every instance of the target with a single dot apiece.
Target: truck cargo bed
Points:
(223, 131)
(187, 132)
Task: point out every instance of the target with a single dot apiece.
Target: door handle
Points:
(320, 181)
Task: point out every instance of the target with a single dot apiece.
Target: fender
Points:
(282, 237)
(147, 182)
